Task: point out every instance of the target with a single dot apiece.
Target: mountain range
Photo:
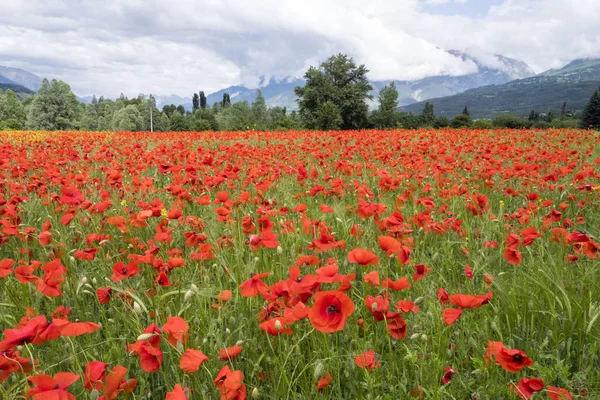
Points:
(500, 84)
(19, 81)
(497, 70)
(574, 84)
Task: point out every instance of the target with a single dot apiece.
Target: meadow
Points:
(427, 264)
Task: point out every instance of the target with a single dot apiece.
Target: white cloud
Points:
(131, 46)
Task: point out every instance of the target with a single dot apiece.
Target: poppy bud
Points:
(419, 300)
(227, 331)
(279, 250)
(180, 347)
(137, 308)
(255, 393)
(145, 336)
(256, 259)
(72, 259)
(194, 288)
(187, 295)
(423, 338)
(319, 370)
(94, 395)
(84, 280)
(94, 281)
(415, 336)
(277, 325)
(239, 343)
(374, 307)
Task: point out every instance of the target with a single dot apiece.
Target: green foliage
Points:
(427, 117)
(259, 111)
(195, 102)
(482, 124)
(54, 107)
(461, 121)
(202, 100)
(441, 122)
(236, 117)
(337, 83)
(127, 119)
(590, 117)
(12, 109)
(178, 123)
(511, 121)
(226, 100)
(386, 116)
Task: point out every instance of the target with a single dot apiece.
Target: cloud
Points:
(180, 46)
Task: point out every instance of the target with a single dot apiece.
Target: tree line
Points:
(335, 97)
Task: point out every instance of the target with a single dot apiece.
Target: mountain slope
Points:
(573, 83)
(19, 90)
(20, 77)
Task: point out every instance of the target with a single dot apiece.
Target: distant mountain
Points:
(20, 91)
(496, 70)
(574, 83)
(20, 77)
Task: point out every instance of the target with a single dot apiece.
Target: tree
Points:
(236, 117)
(202, 100)
(127, 119)
(427, 117)
(54, 107)
(337, 88)
(195, 102)
(466, 111)
(531, 116)
(178, 122)
(226, 100)
(12, 109)
(386, 116)
(461, 121)
(590, 117)
(259, 112)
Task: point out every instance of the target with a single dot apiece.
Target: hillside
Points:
(573, 83)
(19, 90)
(20, 77)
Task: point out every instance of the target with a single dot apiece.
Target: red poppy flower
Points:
(397, 327)
(513, 256)
(94, 375)
(510, 360)
(176, 329)
(450, 315)
(367, 360)
(556, 393)
(52, 387)
(6, 267)
(330, 311)
(448, 372)
(363, 257)
(122, 271)
(324, 382)
(191, 360)
(420, 271)
(230, 353)
(372, 278)
(254, 285)
(400, 284)
(527, 387)
(178, 393)
(230, 384)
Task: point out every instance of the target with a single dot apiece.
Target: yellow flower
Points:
(124, 203)
(163, 212)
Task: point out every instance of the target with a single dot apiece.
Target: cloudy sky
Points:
(181, 46)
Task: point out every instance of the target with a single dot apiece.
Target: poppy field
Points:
(430, 264)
